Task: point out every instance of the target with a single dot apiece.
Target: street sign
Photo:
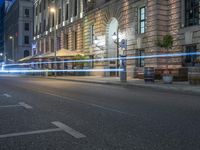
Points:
(123, 44)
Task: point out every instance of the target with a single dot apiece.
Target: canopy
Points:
(63, 53)
(26, 59)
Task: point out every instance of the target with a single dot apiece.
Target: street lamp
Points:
(115, 38)
(96, 41)
(53, 11)
(13, 46)
(122, 65)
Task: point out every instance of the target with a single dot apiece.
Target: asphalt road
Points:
(42, 114)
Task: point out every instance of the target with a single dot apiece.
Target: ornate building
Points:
(88, 26)
(18, 31)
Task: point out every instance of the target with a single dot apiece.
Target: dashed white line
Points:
(21, 104)
(7, 95)
(7, 106)
(89, 104)
(25, 105)
(69, 130)
(29, 133)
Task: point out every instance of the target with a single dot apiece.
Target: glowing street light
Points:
(53, 11)
(114, 36)
(13, 47)
(96, 41)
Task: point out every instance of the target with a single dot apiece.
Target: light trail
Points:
(107, 59)
(70, 70)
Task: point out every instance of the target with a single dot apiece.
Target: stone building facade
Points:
(88, 26)
(18, 29)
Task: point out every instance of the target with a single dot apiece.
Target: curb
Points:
(128, 85)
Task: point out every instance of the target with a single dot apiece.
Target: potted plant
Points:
(166, 42)
(80, 65)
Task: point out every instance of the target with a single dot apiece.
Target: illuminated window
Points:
(191, 12)
(142, 19)
(190, 59)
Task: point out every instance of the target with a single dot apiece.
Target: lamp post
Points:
(115, 38)
(53, 11)
(122, 64)
(13, 46)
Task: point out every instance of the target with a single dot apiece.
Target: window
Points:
(36, 10)
(26, 39)
(26, 53)
(191, 12)
(75, 7)
(75, 40)
(40, 7)
(26, 12)
(47, 45)
(53, 20)
(44, 25)
(26, 26)
(58, 43)
(67, 12)
(92, 34)
(52, 45)
(190, 59)
(142, 19)
(40, 28)
(140, 60)
(44, 4)
(66, 41)
(59, 16)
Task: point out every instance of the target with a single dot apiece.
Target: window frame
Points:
(142, 20)
(140, 60)
(192, 20)
(26, 39)
(26, 26)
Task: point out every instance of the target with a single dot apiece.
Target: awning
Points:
(40, 56)
(25, 59)
(63, 53)
(59, 53)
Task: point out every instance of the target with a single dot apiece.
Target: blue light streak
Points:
(107, 59)
(70, 70)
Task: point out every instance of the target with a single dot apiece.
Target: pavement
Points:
(46, 114)
(182, 87)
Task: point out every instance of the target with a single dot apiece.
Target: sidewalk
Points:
(183, 87)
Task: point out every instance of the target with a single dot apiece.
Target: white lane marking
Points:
(25, 105)
(68, 130)
(7, 106)
(89, 104)
(29, 133)
(21, 104)
(7, 95)
(60, 127)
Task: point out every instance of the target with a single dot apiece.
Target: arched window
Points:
(26, 53)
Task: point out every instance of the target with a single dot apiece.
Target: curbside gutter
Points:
(163, 88)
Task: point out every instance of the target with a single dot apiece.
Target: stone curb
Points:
(158, 87)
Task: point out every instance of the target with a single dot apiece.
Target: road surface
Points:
(43, 114)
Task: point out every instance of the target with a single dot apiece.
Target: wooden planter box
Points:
(194, 75)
